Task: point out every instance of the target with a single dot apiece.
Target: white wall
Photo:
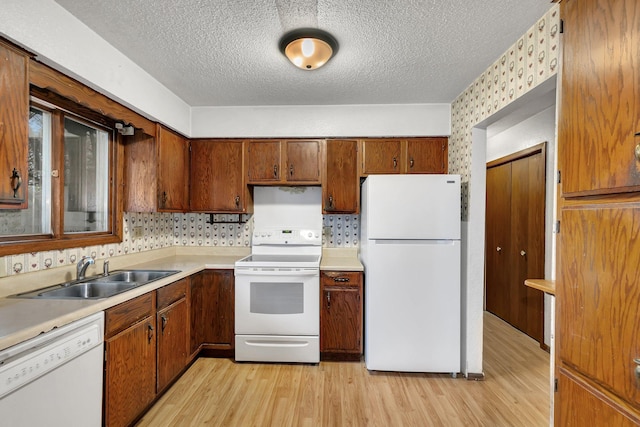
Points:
(527, 133)
(322, 121)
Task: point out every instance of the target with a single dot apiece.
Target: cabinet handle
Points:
(395, 162)
(498, 249)
(237, 201)
(331, 202)
(16, 182)
(275, 171)
(150, 332)
(341, 279)
(411, 162)
(328, 300)
(164, 322)
(163, 199)
(291, 170)
(637, 362)
(637, 152)
(523, 253)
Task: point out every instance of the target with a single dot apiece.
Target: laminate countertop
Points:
(22, 319)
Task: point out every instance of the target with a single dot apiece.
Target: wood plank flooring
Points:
(219, 392)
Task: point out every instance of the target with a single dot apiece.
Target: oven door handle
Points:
(278, 272)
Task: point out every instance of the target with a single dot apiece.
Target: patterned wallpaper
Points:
(531, 60)
(162, 230)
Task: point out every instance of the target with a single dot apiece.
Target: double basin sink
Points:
(99, 286)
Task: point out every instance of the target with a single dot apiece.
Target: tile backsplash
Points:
(160, 230)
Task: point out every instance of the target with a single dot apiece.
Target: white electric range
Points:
(277, 287)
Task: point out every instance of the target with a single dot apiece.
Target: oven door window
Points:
(276, 298)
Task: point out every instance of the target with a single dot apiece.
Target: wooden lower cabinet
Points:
(341, 315)
(212, 311)
(130, 360)
(172, 320)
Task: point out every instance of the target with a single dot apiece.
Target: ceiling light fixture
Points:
(308, 48)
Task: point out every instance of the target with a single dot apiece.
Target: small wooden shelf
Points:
(546, 286)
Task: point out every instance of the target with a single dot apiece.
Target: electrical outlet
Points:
(137, 232)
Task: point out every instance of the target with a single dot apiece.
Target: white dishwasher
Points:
(55, 379)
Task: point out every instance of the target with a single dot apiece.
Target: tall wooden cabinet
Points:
(340, 182)
(217, 181)
(597, 289)
(14, 126)
(515, 239)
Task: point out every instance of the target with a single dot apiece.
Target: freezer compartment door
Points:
(411, 207)
(412, 306)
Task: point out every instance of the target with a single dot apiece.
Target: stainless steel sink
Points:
(99, 286)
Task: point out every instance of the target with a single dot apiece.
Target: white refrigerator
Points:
(410, 249)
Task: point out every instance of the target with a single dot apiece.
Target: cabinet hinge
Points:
(358, 297)
(559, 177)
(555, 385)
(557, 228)
(561, 26)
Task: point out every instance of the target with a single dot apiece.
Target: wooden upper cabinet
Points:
(217, 177)
(600, 111)
(14, 127)
(415, 155)
(283, 162)
(427, 155)
(381, 156)
(340, 182)
(173, 167)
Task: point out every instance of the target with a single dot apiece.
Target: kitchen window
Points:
(70, 184)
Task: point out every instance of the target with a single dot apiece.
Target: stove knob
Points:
(310, 235)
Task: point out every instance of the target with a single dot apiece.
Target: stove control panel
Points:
(287, 236)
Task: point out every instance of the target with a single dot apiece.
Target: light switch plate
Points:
(137, 232)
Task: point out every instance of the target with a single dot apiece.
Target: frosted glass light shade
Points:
(308, 48)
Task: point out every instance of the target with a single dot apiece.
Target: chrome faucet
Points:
(105, 268)
(84, 263)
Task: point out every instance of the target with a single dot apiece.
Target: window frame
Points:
(59, 108)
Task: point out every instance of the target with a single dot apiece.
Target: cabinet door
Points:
(600, 112)
(172, 342)
(341, 313)
(130, 373)
(303, 161)
(381, 156)
(14, 127)
(341, 185)
(598, 297)
(212, 310)
(427, 155)
(263, 162)
(173, 175)
(217, 176)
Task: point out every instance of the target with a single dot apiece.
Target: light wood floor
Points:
(219, 392)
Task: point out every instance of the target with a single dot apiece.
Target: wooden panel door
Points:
(341, 184)
(172, 324)
(212, 310)
(14, 127)
(263, 162)
(217, 177)
(130, 373)
(427, 155)
(498, 243)
(515, 239)
(600, 112)
(599, 299)
(303, 161)
(381, 156)
(173, 175)
(527, 244)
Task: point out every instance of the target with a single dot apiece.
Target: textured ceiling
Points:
(225, 52)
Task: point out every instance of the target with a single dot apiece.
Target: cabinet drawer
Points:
(342, 278)
(123, 315)
(169, 294)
